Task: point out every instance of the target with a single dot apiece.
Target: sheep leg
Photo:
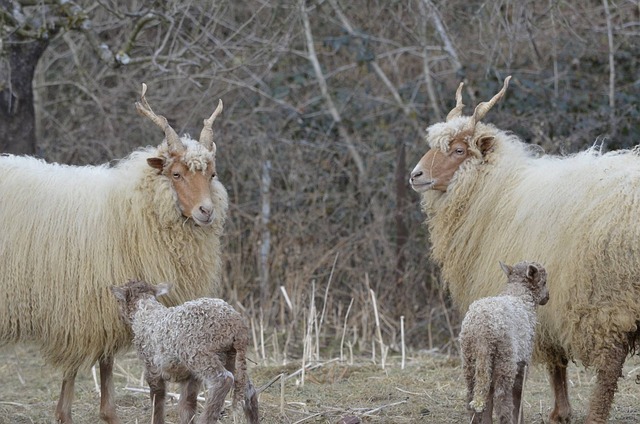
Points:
(217, 389)
(561, 412)
(251, 403)
(63, 410)
(189, 400)
(606, 385)
(503, 384)
(487, 415)
(469, 376)
(107, 392)
(157, 393)
(518, 415)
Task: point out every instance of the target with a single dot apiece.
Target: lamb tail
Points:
(482, 386)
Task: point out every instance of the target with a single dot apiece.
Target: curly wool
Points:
(181, 339)
(576, 214)
(496, 337)
(69, 232)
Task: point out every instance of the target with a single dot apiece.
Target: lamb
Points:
(203, 340)
(486, 193)
(496, 341)
(69, 232)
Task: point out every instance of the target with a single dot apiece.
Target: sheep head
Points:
(452, 142)
(128, 295)
(188, 164)
(530, 275)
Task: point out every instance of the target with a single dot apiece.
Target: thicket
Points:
(326, 103)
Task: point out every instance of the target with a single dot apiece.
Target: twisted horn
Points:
(457, 111)
(170, 134)
(206, 135)
(484, 107)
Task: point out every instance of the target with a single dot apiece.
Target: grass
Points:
(429, 389)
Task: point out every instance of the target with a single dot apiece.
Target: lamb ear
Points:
(506, 268)
(118, 292)
(485, 144)
(157, 163)
(162, 288)
(532, 270)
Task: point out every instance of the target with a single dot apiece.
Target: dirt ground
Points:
(429, 389)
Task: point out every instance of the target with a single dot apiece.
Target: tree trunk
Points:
(17, 114)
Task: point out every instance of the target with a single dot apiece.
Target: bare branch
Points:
(612, 69)
(406, 109)
(313, 58)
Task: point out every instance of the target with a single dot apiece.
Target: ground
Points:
(430, 389)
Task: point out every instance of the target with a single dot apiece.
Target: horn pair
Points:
(206, 135)
(481, 110)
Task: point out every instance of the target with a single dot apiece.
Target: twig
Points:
(402, 341)
(524, 378)
(383, 348)
(344, 330)
(326, 291)
(286, 298)
(95, 379)
(311, 367)
(313, 58)
(373, 411)
(612, 69)
(282, 380)
(309, 417)
(269, 383)
(175, 396)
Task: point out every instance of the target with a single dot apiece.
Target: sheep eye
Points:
(176, 175)
(460, 151)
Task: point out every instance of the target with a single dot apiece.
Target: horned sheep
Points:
(496, 340)
(69, 232)
(487, 193)
(201, 341)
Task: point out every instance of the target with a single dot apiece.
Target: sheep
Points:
(203, 340)
(496, 341)
(485, 193)
(69, 232)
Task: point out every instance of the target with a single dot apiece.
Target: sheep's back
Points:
(187, 332)
(505, 322)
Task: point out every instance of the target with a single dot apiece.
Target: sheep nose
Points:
(415, 174)
(206, 211)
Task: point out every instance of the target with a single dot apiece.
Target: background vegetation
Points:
(325, 108)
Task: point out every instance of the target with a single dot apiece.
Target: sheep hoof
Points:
(477, 405)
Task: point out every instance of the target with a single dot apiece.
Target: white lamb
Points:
(497, 342)
(203, 340)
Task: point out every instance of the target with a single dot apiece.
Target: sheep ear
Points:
(157, 163)
(162, 288)
(506, 268)
(485, 144)
(532, 271)
(118, 293)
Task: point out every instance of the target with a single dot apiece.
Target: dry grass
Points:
(430, 389)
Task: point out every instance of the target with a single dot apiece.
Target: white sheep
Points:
(69, 232)
(486, 193)
(201, 341)
(496, 340)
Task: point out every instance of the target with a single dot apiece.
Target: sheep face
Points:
(189, 164)
(452, 143)
(531, 275)
(191, 185)
(128, 295)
